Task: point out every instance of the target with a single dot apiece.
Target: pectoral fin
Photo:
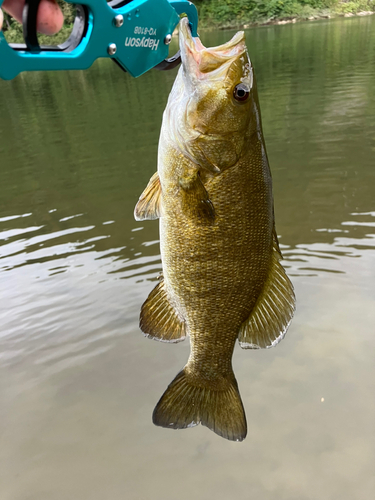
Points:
(270, 318)
(159, 319)
(149, 203)
(195, 199)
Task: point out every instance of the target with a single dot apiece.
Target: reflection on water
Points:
(315, 258)
(79, 381)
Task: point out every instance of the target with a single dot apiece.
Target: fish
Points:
(222, 278)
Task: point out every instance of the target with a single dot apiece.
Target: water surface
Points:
(78, 381)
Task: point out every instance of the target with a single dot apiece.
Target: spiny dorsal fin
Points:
(159, 319)
(276, 242)
(273, 312)
(149, 203)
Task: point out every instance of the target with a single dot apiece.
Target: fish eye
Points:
(241, 92)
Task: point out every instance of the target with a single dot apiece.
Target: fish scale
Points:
(228, 250)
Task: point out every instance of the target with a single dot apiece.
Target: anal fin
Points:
(273, 312)
(149, 203)
(159, 319)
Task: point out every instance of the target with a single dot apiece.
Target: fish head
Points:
(213, 100)
(219, 81)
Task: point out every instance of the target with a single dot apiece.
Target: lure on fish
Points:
(222, 277)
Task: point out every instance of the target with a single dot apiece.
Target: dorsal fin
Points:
(149, 203)
(273, 312)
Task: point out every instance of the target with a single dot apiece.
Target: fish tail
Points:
(217, 406)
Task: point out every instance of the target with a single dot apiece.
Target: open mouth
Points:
(208, 59)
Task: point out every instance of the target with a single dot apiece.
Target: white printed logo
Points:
(150, 43)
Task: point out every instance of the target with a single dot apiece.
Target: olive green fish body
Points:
(215, 271)
(222, 278)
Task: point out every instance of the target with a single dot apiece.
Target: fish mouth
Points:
(200, 60)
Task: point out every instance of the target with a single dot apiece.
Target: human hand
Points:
(49, 20)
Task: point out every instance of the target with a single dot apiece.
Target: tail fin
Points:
(184, 405)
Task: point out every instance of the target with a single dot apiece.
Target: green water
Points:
(78, 381)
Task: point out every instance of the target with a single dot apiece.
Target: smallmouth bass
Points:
(222, 277)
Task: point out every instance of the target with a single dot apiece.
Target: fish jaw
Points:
(202, 63)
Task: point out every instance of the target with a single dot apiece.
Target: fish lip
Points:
(195, 54)
(195, 44)
(186, 38)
